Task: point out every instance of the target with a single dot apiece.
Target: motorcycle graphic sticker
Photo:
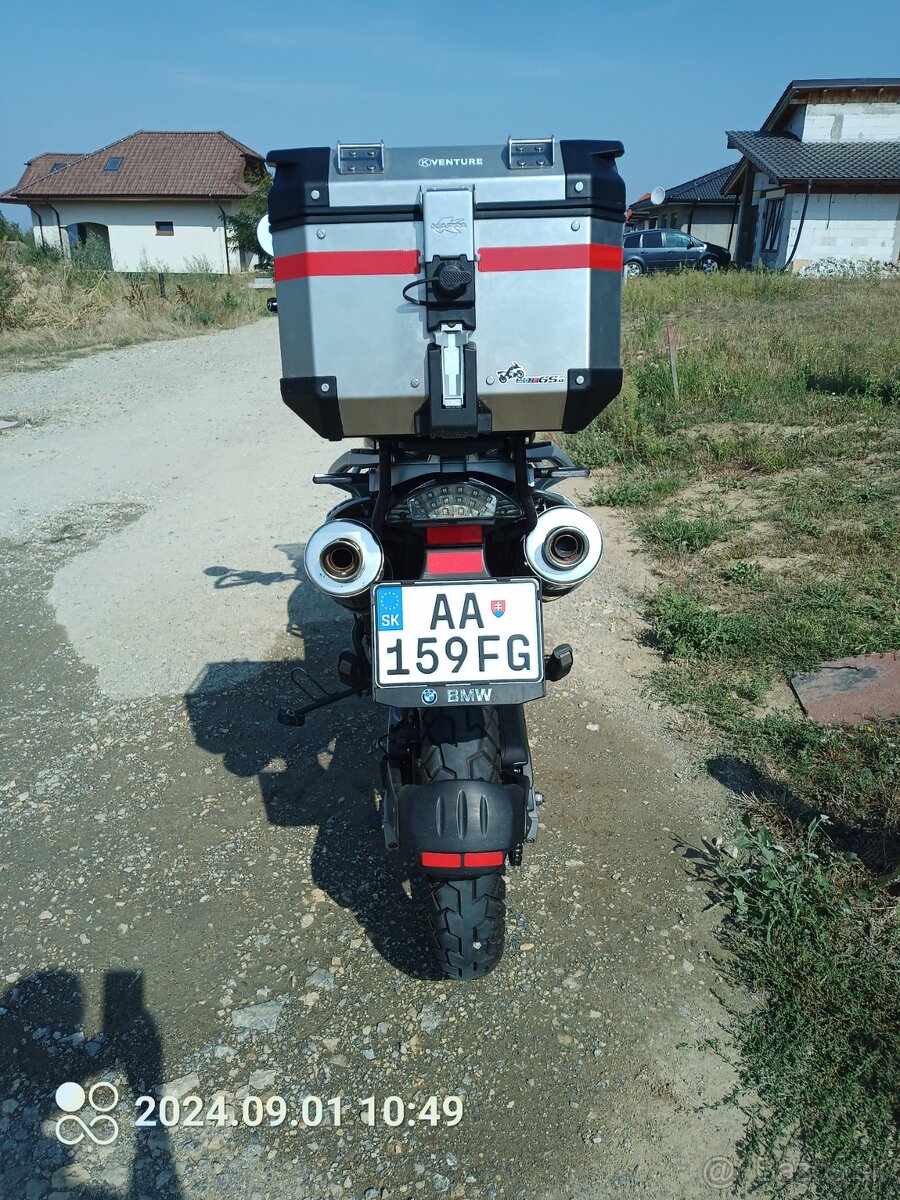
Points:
(513, 371)
(516, 374)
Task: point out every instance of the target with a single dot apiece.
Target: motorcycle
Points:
(452, 536)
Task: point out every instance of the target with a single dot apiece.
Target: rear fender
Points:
(456, 819)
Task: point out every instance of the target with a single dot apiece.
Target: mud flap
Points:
(459, 819)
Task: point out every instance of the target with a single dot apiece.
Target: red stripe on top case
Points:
(551, 258)
(346, 262)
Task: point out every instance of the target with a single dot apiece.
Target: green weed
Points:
(819, 1061)
(790, 627)
(747, 573)
(672, 532)
(637, 488)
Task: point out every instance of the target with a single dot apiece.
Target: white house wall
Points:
(842, 225)
(133, 241)
(711, 224)
(850, 122)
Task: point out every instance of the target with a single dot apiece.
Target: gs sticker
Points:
(516, 374)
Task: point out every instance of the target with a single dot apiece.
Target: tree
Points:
(9, 231)
(242, 224)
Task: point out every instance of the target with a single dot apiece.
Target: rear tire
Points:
(466, 917)
(460, 743)
(632, 269)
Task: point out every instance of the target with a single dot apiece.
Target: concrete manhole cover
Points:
(10, 422)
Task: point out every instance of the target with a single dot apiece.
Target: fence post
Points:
(670, 333)
(162, 285)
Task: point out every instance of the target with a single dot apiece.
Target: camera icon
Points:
(102, 1098)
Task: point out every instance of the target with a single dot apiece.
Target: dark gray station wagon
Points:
(669, 249)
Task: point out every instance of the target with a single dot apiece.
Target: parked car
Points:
(669, 249)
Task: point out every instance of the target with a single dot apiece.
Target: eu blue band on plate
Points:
(389, 609)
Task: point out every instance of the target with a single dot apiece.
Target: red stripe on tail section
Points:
(453, 535)
(454, 562)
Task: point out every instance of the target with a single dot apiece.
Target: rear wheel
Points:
(467, 919)
(632, 269)
(466, 916)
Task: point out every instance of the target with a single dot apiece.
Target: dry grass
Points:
(52, 308)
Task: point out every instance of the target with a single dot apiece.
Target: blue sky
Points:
(665, 78)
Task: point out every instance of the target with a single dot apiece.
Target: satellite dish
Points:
(264, 235)
(657, 195)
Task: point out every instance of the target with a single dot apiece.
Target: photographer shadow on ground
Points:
(321, 775)
(42, 1045)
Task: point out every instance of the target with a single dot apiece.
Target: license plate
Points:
(467, 632)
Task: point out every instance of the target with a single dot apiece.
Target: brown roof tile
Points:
(153, 164)
(42, 165)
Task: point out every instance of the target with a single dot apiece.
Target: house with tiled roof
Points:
(153, 200)
(821, 177)
(696, 207)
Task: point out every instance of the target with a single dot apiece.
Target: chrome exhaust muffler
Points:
(344, 559)
(563, 548)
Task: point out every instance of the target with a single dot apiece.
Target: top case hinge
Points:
(360, 158)
(530, 153)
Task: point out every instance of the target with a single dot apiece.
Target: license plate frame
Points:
(512, 605)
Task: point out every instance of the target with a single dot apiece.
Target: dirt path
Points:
(192, 893)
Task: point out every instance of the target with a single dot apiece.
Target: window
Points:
(113, 163)
(772, 219)
(631, 239)
(681, 240)
(58, 166)
(652, 240)
(166, 228)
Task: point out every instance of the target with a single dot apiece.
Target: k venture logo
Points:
(451, 162)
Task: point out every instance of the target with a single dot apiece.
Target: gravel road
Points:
(195, 902)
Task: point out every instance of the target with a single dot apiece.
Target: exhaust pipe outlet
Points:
(563, 548)
(344, 559)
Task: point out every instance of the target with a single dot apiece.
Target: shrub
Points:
(9, 290)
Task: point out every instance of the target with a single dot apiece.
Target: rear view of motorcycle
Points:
(448, 306)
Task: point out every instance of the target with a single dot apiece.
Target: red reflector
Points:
(453, 535)
(484, 858)
(441, 860)
(454, 562)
